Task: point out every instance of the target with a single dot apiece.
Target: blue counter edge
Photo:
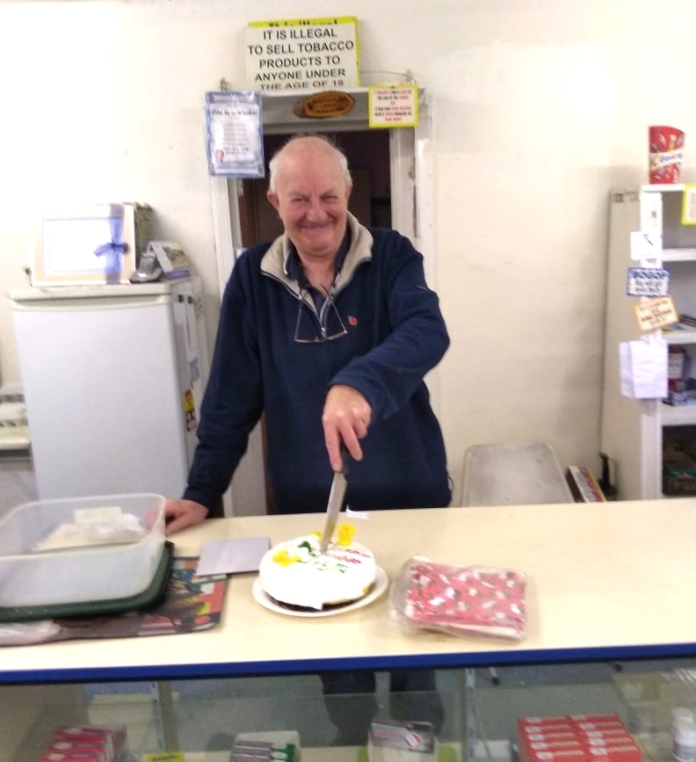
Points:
(449, 660)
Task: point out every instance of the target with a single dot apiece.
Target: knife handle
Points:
(344, 459)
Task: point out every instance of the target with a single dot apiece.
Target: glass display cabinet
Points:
(609, 630)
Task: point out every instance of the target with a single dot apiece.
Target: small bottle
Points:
(609, 490)
(683, 735)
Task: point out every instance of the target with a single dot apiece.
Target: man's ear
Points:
(273, 199)
(349, 190)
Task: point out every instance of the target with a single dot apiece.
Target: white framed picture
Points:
(97, 243)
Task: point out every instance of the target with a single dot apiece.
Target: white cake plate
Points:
(379, 588)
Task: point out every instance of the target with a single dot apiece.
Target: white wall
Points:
(540, 106)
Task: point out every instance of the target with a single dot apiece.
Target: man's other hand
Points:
(179, 514)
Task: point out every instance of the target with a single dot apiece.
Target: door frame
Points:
(412, 213)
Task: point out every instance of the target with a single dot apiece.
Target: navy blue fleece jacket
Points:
(395, 335)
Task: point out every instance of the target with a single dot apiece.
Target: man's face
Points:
(311, 198)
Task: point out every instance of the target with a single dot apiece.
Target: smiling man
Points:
(329, 331)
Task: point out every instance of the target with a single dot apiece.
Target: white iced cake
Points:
(296, 574)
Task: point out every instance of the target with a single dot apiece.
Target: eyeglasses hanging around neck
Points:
(327, 328)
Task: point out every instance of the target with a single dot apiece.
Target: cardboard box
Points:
(607, 735)
(584, 486)
(389, 754)
(578, 718)
(565, 743)
(577, 738)
(411, 736)
(601, 725)
(104, 749)
(110, 738)
(544, 724)
(627, 752)
(558, 755)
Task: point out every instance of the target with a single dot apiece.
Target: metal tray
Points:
(513, 474)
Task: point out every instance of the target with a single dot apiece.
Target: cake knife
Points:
(336, 499)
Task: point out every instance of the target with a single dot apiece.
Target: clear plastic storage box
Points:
(31, 576)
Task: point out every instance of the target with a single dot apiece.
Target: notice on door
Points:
(298, 54)
(395, 106)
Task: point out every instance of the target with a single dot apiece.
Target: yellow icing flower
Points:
(283, 558)
(345, 535)
(316, 533)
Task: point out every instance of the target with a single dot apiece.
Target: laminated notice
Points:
(234, 134)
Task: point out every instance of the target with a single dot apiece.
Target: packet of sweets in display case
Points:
(461, 600)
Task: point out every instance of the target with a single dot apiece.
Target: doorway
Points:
(392, 176)
(370, 201)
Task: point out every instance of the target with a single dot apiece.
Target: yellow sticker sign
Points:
(393, 106)
(165, 756)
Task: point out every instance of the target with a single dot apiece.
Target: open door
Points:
(392, 176)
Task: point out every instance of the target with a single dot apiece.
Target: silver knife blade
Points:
(336, 498)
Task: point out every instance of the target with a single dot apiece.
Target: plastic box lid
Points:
(513, 474)
(77, 574)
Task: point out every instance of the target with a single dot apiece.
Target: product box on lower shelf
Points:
(679, 468)
(576, 738)
(86, 743)
(394, 741)
(283, 745)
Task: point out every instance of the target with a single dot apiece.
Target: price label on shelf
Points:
(688, 212)
(652, 314)
(645, 246)
(647, 281)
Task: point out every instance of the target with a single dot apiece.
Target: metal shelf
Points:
(678, 415)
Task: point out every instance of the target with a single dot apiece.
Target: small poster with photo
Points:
(234, 134)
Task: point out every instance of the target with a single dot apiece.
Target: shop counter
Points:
(604, 581)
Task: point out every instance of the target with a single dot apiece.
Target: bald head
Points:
(309, 187)
(306, 148)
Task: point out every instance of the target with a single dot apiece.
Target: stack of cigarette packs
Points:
(576, 738)
(86, 743)
(394, 741)
(262, 751)
(281, 745)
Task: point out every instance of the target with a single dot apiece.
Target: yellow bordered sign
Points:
(300, 54)
(688, 210)
(392, 106)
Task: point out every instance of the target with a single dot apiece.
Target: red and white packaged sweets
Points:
(459, 599)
